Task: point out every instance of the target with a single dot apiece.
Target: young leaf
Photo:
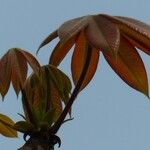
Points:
(6, 126)
(46, 90)
(56, 103)
(60, 80)
(34, 90)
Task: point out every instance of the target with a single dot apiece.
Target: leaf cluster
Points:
(48, 89)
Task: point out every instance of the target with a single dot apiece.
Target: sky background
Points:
(108, 114)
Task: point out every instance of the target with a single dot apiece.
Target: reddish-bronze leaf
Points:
(79, 59)
(31, 60)
(129, 66)
(34, 90)
(52, 36)
(70, 28)
(103, 34)
(60, 51)
(137, 31)
(13, 67)
(103, 31)
(5, 74)
(56, 102)
(140, 34)
(139, 45)
(18, 69)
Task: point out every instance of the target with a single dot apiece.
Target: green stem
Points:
(75, 92)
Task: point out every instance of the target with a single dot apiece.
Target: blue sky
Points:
(108, 114)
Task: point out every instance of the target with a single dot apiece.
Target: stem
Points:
(75, 92)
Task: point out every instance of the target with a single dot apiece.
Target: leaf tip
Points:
(37, 51)
(3, 97)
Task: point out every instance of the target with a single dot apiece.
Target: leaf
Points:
(103, 34)
(34, 98)
(137, 31)
(46, 90)
(5, 74)
(50, 97)
(60, 80)
(60, 51)
(13, 67)
(129, 66)
(18, 69)
(31, 60)
(56, 103)
(79, 59)
(6, 125)
(34, 90)
(52, 36)
(61, 89)
(71, 28)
